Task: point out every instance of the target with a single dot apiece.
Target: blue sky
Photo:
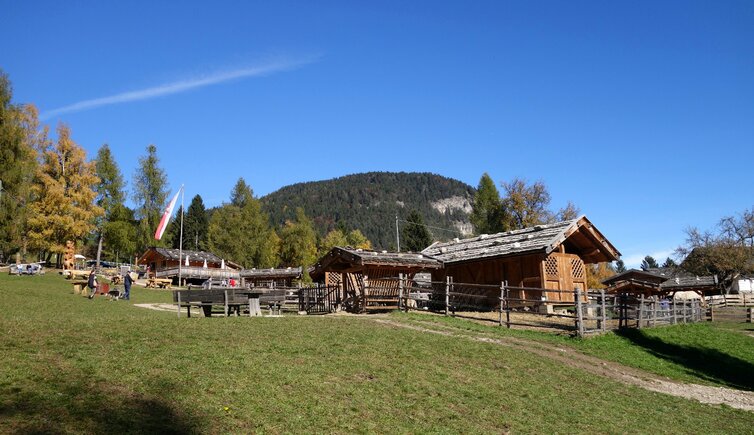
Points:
(641, 113)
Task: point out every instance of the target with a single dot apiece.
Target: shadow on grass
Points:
(83, 406)
(709, 364)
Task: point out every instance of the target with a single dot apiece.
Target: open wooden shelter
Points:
(549, 256)
(271, 278)
(202, 265)
(661, 282)
(635, 282)
(368, 280)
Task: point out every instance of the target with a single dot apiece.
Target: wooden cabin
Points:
(368, 280)
(551, 256)
(202, 265)
(271, 278)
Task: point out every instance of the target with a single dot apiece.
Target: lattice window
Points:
(551, 267)
(577, 268)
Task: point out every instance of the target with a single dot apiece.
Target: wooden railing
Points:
(193, 272)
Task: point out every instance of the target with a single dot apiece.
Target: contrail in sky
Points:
(179, 86)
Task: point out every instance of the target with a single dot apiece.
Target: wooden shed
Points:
(549, 256)
(202, 265)
(635, 282)
(368, 280)
(271, 278)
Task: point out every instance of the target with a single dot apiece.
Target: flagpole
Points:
(180, 243)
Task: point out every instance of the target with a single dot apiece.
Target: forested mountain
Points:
(369, 202)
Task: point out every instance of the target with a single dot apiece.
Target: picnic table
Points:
(230, 299)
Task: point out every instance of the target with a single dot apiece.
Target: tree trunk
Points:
(99, 248)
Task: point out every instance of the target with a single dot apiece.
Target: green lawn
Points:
(73, 365)
(705, 353)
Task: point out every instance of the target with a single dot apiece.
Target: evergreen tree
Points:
(649, 263)
(414, 234)
(64, 207)
(150, 194)
(241, 193)
(110, 195)
(196, 225)
(486, 215)
(620, 266)
(173, 230)
(669, 263)
(20, 139)
(298, 242)
(241, 231)
(526, 205)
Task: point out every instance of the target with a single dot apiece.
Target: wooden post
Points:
(447, 294)
(579, 313)
(400, 292)
(507, 305)
(641, 311)
(751, 315)
(500, 314)
(674, 318)
(226, 302)
(654, 311)
(685, 318)
(179, 305)
(603, 322)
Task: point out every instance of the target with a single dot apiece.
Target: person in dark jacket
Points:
(92, 284)
(127, 281)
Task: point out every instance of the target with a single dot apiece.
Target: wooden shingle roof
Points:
(198, 256)
(281, 273)
(580, 236)
(347, 259)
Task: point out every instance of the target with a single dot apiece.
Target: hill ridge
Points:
(369, 201)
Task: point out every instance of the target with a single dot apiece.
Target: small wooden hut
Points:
(271, 278)
(541, 257)
(636, 283)
(202, 265)
(368, 280)
(663, 282)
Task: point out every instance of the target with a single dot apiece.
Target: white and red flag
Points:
(166, 216)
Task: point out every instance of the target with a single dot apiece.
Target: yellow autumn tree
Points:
(63, 207)
(596, 273)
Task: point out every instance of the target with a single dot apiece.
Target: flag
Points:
(166, 216)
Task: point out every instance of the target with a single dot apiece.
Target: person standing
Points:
(92, 283)
(127, 281)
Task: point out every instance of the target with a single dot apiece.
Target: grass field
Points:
(73, 365)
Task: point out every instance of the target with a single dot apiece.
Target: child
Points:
(92, 283)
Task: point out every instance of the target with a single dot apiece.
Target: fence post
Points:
(179, 304)
(685, 318)
(400, 291)
(226, 303)
(603, 314)
(674, 318)
(654, 311)
(447, 294)
(500, 314)
(579, 313)
(751, 315)
(641, 311)
(507, 305)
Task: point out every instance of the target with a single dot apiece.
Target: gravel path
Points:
(627, 375)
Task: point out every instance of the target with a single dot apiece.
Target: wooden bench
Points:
(79, 286)
(229, 299)
(274, 300)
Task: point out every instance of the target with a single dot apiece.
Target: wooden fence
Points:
(589, 312)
